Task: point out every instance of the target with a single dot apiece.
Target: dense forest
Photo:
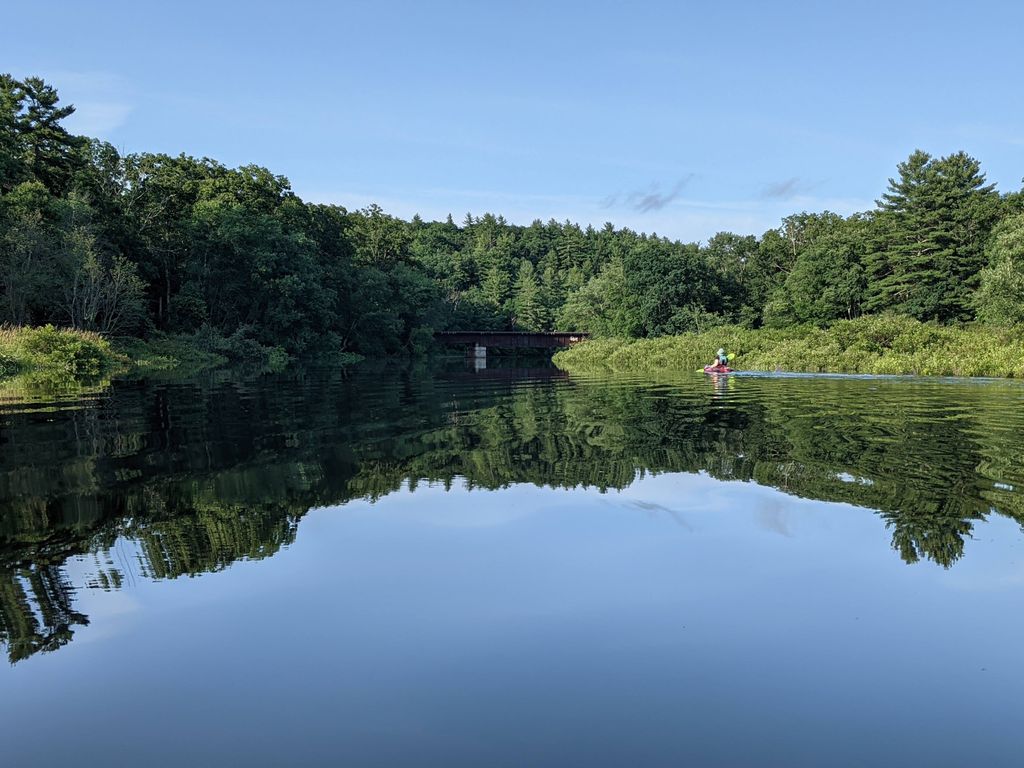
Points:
(148, 244)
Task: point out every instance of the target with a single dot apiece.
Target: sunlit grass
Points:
(55, 353)
(54, 363)
(884, 344)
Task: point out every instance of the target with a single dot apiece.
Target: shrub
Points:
(75, 353)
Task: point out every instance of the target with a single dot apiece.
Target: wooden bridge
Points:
(480, 340)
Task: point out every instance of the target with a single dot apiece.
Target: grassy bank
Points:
(876, 345)
(184, 355)
(39, 360)
(57, 354)
(49, 358)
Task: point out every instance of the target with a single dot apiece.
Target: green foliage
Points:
(665, 281)
(882, 344)
(177, 353)
(529, 310)
(929, 238)
(826, 282)
(63, 354)
(207, 348)
(34, 144)
(600, 307)
(75, 353)
(1000, 298)
(421, 339)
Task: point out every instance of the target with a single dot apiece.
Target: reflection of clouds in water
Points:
(846, 477)
(674, 514)
(692, 492)
(772, 518)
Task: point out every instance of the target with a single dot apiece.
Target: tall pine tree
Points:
(929, 237)
(528, 303)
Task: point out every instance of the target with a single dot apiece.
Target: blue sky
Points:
(679, 118)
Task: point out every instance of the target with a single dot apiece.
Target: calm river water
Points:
(404, 566)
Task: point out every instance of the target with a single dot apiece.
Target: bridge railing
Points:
(512, 339)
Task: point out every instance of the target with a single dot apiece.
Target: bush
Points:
(277, 359)
(8, 365)
(76, 354)
(421, 339)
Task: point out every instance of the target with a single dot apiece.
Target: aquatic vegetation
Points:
(178, 355)
(883, 344)
(170, 353)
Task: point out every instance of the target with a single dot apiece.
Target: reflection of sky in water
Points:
(679, 621)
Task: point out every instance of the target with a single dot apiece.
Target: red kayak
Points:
(717, 369)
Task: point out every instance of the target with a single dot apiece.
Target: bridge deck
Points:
(512, 339)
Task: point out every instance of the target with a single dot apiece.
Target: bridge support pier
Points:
(478, 354)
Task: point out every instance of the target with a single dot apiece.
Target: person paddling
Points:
(721, 364)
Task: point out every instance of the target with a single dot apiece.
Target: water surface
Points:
(405, 566)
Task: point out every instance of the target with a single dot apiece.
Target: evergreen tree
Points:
(11, 164)
(496, 289)
(929, 237)
(49, 153)
(973, 210)
(530, 314)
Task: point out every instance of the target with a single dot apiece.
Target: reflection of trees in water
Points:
(203, 476)
(36, 612)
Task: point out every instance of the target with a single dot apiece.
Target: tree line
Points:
(143, 244)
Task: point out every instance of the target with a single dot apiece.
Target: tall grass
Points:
(57, 354)
(884, 344)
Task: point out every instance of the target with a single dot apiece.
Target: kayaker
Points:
(721, 359)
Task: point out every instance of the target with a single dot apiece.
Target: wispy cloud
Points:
(649, 199)
(785, 189)
(688, 219)
(655, 200)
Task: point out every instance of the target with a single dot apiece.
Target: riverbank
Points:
(56, 353)
(60, 359)
(872, 345)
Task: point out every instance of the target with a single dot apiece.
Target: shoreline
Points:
(45, 360)
(880, 345)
